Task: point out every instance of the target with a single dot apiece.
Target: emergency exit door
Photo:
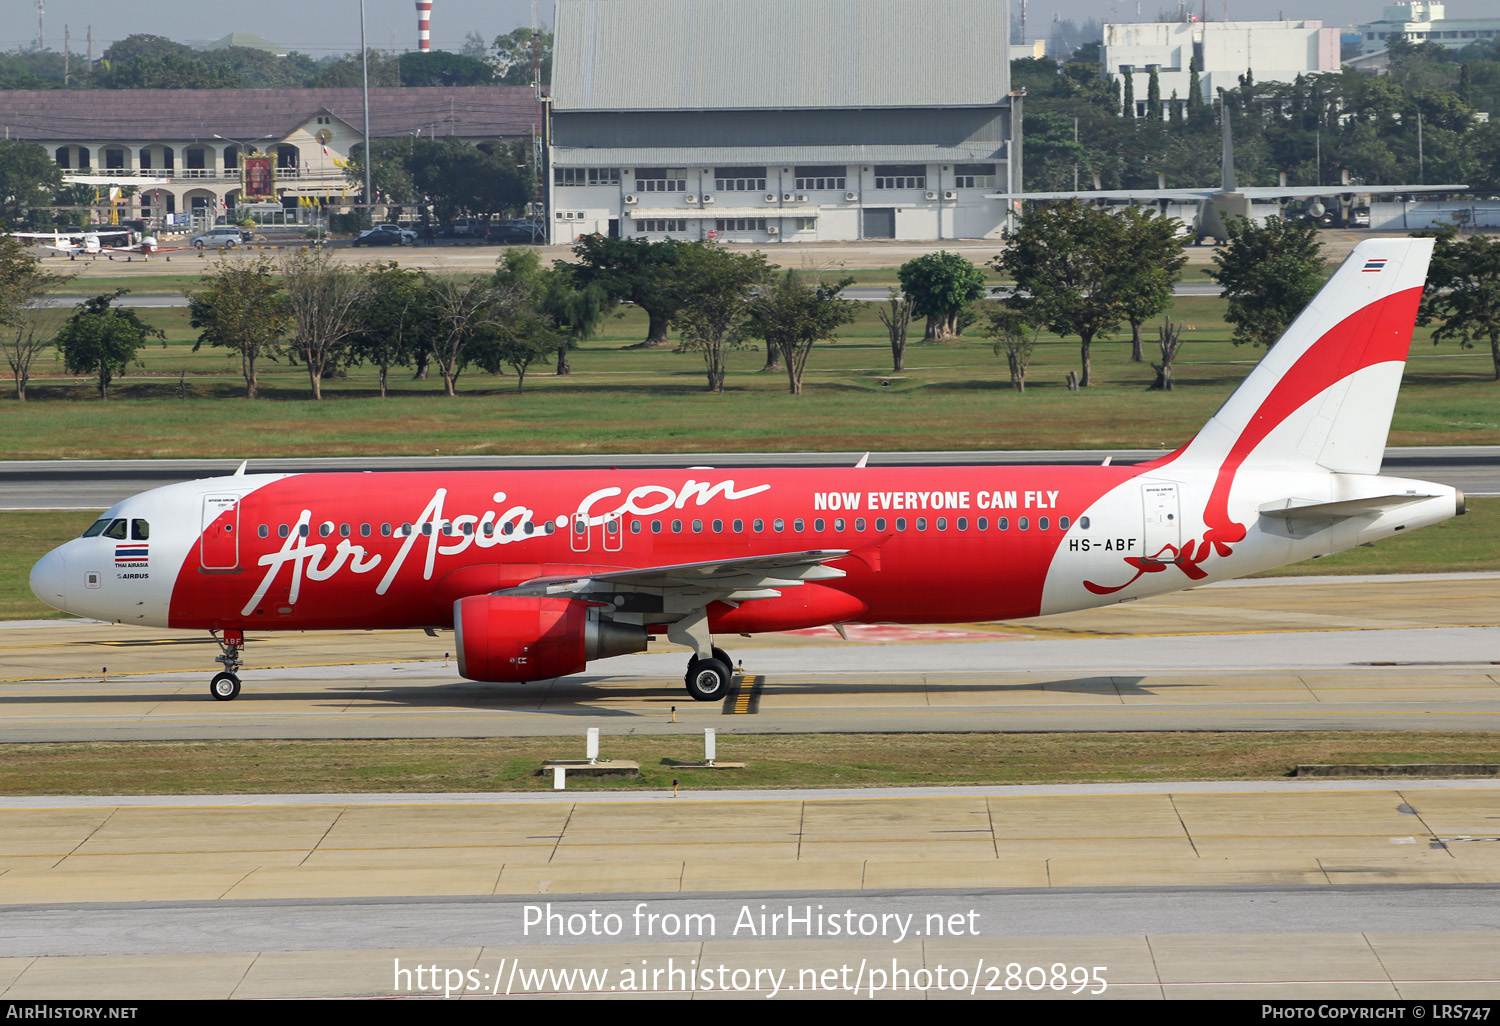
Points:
(219, 543)
(1163, 527)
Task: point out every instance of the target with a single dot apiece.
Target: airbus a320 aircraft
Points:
(538, 572)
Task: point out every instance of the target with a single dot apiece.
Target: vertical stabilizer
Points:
(1324, 394)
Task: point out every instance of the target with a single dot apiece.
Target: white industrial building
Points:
(770, 120)
(1423, 22)
(1274, 51)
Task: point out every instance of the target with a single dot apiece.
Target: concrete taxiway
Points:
(1248, 890)
(1407, 653)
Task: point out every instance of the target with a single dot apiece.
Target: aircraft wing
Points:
(1181, 195)
(1308, 192)
(725, 579)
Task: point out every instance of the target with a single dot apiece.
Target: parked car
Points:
(519, 232)
(222, 237)
(386, 235)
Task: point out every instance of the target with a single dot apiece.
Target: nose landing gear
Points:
(225, 686)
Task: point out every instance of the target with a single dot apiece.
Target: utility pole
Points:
(41, 25)
(67, 45)
(1421, 166)
(364, 63)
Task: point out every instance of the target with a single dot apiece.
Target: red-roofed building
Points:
(183, 147)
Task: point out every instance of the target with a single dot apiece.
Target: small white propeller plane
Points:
(85, 241)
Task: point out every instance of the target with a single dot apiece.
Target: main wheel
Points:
(708, 680)
(225, 687)
(723, 657)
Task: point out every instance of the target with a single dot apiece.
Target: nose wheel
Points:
(225, 687)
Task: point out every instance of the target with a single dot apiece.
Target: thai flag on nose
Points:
(1376, 264)
(130, 552)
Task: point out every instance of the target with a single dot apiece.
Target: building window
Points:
(806, 224)
(585, 176)
(740, 179)
(900, 176)
(740, 224)
(821, 179)
(974, 176)
(661, 179)
(662, 224)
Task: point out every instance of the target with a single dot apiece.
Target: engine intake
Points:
(517, 639)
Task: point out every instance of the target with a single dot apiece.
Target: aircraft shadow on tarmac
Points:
(583, 695)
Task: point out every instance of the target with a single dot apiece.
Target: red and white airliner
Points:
(538, 572)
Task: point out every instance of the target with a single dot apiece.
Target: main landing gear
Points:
(708, 679)
(225, 687)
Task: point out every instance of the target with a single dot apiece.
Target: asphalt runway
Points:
(98, 484)
(1415, 652)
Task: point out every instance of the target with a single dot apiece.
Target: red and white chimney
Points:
(424, 24)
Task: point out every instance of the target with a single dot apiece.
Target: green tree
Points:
(347, 73)
(1127, 103)
(1463, 291)
(895, 314)
(102, 340)
(240, 306)
(28, 321)
(27, 178)
(325, 300)
(461, 179)
(441, 68)
(513, 57)
(634, 271)
(941, 285)
(1155, 243)
(1069, 269)
(793, 315)
(466, 313)
(398, 323)
(1015, 339)
(1269, 271)
(520, 337)
(713, 288)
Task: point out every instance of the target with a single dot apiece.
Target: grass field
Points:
(1464, 543)
(952, 395)
(773, 761)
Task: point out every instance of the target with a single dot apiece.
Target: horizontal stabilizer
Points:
(1302, 509)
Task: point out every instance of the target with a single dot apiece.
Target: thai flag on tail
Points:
(1375, 264)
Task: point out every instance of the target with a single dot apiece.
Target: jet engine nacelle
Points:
(520, 639)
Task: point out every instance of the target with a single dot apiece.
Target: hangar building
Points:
(795, 120)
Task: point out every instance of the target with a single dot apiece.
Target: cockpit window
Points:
(116, 530)
(140, 530)
(97, 527)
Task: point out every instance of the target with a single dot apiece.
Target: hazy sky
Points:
(332, 26)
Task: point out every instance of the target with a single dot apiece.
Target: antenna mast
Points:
(41, 26)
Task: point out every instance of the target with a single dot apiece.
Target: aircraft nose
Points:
(49, 579)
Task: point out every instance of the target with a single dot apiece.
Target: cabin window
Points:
(739, 527)
(760, 525)
(838, 524)
(982, 524)
(1041, 524)
(818, 525)
(344, 531)
(921, 523)
(467, 528)
(1083, 522)
(325, 529)
(635, 527)
(778, 525)
(282, 531)
(718, 527)
(963, 523)
(364, 530)
(549, 527)
(530, 527)
(1002, 523)
(697, 527)
(942, 523)
(880, 523)
(799, 525)
(859, 524)
(1062, 523)
(1022, 524)
(507, 528)
(263, 531)
(677, 527)
(427, 528)
(900, 523)
(656, 527)
(303, 530)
